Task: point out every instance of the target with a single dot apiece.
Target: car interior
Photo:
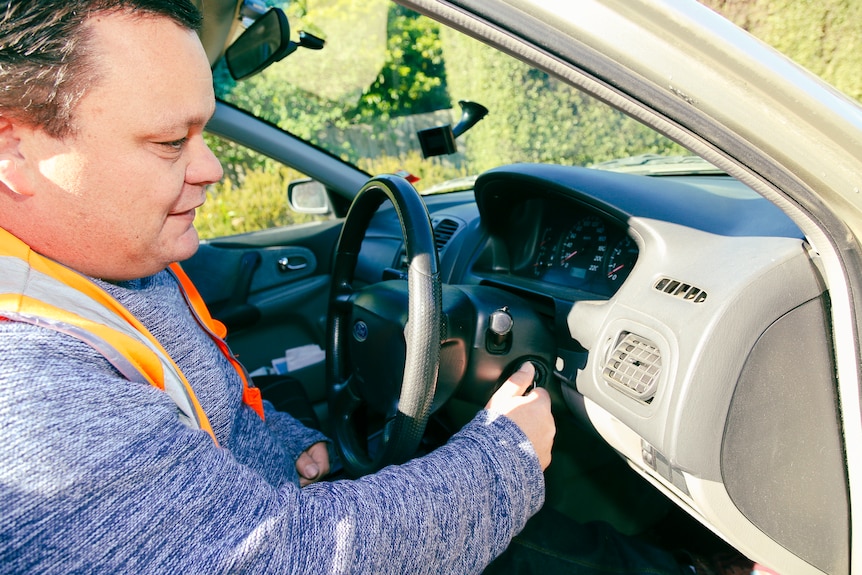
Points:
(679, 319)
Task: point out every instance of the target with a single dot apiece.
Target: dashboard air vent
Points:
(443, 232)
(634, 367)
(681, 290)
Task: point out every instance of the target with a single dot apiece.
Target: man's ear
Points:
(12, 162)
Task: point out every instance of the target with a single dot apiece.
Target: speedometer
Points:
(583, 248)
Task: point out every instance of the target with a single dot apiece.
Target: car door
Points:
(270, 288)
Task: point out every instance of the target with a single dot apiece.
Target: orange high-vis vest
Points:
(42, 292)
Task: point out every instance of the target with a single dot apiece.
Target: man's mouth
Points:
(190, 213)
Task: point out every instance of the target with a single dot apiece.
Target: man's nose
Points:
(204, 167)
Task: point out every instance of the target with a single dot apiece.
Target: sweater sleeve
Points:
(99, 476)
(451, 511)
(295, 436)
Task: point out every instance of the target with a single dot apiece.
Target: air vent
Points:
(443, 232)
(634, 367)
(681, 290)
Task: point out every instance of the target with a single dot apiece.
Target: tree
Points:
(413, 78)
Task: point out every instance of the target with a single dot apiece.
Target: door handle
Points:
(292, 264)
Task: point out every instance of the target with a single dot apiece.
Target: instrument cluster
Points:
(582, 250)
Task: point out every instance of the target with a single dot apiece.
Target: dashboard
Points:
(679, 308)
(573, 233)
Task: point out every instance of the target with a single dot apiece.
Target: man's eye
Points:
(175, 144)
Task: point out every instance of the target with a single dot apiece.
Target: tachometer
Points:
(544, 253)
(621, 260)
(583, 248)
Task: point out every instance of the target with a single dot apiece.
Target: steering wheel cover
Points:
(403, 433)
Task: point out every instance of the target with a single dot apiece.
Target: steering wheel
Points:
(369, 323)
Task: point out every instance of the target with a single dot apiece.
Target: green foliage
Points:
(270, 95)
(237, 161)
(363, 95)
(429, 171)
(413, 78)
(535, 118)
(383, 65)
(407, 77)
(824, 36)
(252, 196)
(260, 204)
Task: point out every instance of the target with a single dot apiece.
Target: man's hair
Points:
(45, 62)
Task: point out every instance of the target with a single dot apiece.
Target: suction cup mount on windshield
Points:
(441, 139)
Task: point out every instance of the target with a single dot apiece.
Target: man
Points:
(102, 165)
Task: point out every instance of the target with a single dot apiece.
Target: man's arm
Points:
(100, 474)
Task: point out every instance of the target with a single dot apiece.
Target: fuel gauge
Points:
(621, 260)
(544, 253)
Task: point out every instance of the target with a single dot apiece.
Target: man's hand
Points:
(531, 412)
(312, 464)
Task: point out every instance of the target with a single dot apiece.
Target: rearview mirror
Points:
(266, 41)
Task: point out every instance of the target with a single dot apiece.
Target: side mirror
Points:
(308, 197)
(266, 41)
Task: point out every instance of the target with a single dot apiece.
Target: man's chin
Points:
(187, 246)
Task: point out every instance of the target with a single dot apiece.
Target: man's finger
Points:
(307, 466)
(520, 381)
(320, 455)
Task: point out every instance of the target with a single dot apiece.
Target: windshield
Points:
(387, 73)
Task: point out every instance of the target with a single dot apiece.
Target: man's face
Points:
(117, 198)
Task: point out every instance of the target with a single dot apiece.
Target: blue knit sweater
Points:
(97, 475)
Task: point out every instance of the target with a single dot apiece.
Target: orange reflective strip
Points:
(250, 394)
(13, 246)
(197, 302)
(75, 280)
(138, 354)
(252, 398)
